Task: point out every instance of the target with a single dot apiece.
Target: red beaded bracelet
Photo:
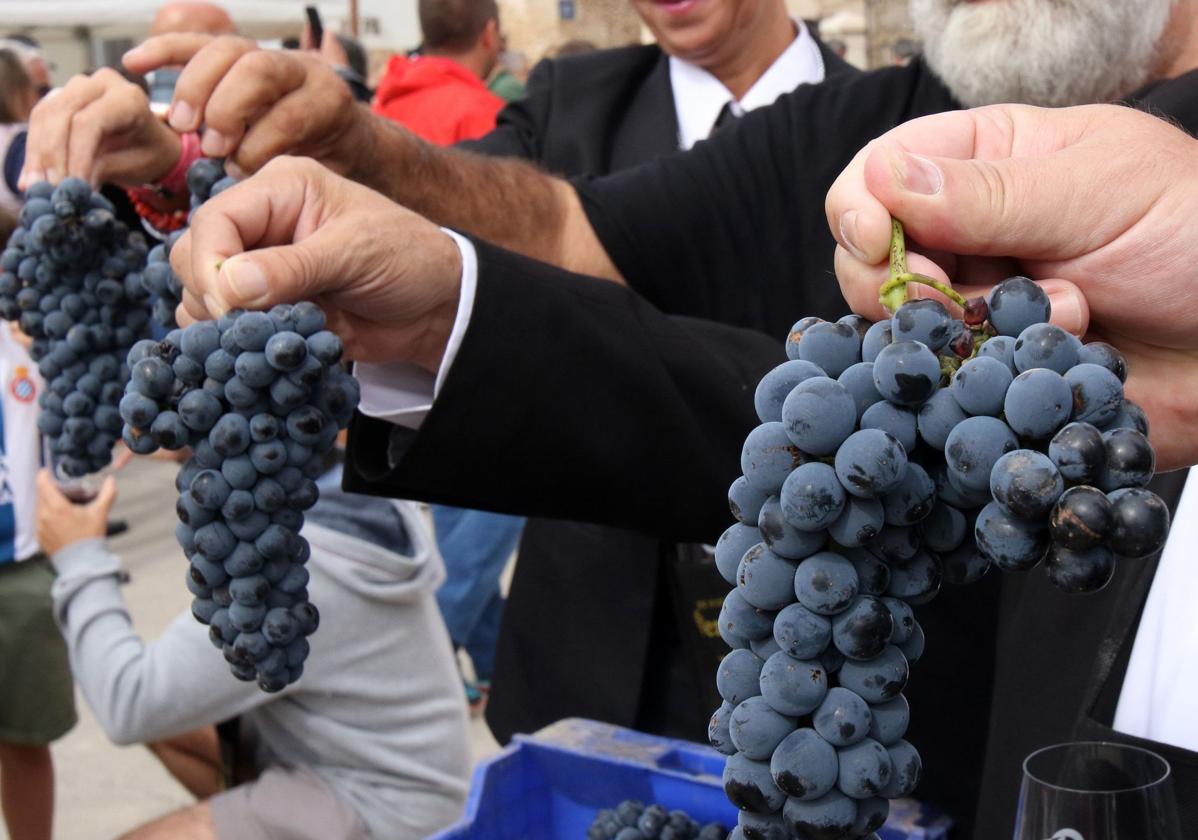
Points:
(170, 185)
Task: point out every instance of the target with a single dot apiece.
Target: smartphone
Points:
(315, 26)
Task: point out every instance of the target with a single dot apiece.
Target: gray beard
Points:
(1041, 52)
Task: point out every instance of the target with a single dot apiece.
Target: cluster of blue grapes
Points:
(891, 457)
(260, 398)
(70, 279)
(205, 178)
(631, 820)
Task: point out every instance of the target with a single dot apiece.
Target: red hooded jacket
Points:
(436, 98)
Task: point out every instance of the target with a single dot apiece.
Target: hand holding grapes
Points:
(61, 522)
(256, 104)
(387, 279)
(1096, 202)
(98, 128)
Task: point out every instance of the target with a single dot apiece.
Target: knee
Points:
(25, 756)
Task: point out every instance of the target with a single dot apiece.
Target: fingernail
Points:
(133, 53)
(916, 174)
(1066, 310)
(182, 116)
(214, 144)
(234, 171)
(246, 278)
(848, 233)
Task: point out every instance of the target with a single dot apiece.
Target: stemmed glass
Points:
(1096, 791)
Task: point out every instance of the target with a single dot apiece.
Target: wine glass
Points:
(1096, 791)
(79, 489)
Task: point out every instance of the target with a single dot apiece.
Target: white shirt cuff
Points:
(403, 393)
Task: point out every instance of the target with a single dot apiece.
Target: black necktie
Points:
(727, 116)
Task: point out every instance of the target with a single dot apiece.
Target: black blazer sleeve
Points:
(520, 128)
(603, 409)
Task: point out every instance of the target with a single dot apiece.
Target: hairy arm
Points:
(505, 201)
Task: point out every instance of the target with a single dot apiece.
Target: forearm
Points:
(505, 201)
(138, 692)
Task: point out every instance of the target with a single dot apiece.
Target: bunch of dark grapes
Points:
(205, 178)
(631, 820)
(70, 279)
(891, 457)
(260, 398)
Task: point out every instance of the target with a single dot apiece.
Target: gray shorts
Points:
(285, 804)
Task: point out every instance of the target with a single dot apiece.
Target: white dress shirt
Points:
(403, 393)
(699, 96)
(1159, 698)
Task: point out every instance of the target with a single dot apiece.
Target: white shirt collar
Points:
(699, 96)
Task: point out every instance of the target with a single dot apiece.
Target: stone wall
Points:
(535, 27)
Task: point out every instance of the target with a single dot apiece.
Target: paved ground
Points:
(104, 790)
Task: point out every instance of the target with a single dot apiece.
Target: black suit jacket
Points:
(588, 598)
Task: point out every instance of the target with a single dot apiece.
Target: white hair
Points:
(1041, 52)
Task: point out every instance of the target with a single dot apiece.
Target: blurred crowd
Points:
(562, 283)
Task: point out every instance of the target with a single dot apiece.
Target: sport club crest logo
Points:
(22, 387)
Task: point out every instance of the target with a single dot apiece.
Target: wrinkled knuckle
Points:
(107, 76)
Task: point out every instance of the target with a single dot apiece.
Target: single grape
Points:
(906, 373)
(776, 385)
(717, 730)
(925, 321)
(768, 457)
(1026, 484)
(818, 415)
(895, 420)
(800, 632)
(831, 816)
(1038, 403)
(784, 539)
(826, 583)
(1130, 461)
(1097, 393)
(795, 336)
(858, 380)
(812, 497)
(938, 417)
(804, 764)
(1101, 353)
(1046, 346)
(1079, 453)
(980, 385)
(757, 729)
(730, 548)
(864, 629)
(870, 463)
(834, 347)
(792, 686)
(865, 769)
(1075, 572)
(750, 786)
(1012, 544)
(859, 522)
(1016, 304)
(842, 719)
(1082, 519)
(973, 447)
(762, 579)
(911, 499)
(1139, 522)
(876, 337)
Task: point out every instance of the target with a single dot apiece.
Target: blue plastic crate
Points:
(548, 786)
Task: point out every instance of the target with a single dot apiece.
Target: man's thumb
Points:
(262, 278)
(978, 207)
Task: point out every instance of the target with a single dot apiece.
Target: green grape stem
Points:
(893, 292)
